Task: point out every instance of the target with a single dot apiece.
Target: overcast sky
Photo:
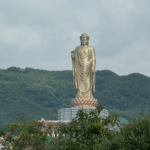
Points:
(41, 33)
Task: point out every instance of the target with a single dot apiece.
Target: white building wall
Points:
(70, 113)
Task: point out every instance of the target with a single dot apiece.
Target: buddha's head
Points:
(84, 38)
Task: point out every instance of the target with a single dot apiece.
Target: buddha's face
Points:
(84, 41)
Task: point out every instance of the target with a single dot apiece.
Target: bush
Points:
(134, 136)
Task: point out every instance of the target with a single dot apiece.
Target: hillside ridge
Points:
(35, 93)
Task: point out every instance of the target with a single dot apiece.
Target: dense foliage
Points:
(23, 135)
(35, 93)
(134, 136)
(86, 131)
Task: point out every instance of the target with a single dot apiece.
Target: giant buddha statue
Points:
(83, 64)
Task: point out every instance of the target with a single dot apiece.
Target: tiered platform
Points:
(84, 102)
(79, 103)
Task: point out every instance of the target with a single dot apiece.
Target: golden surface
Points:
(84, 102)
(83, 64)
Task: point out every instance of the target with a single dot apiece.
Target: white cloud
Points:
(42, 33)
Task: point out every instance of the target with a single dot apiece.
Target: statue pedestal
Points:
(84, 102)
(67, 114)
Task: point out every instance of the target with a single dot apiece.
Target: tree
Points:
(87, 131)
(21, 135)
(134, 136)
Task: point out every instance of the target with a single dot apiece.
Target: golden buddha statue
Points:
(83, 64)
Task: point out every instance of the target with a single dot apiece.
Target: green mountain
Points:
(35, 93)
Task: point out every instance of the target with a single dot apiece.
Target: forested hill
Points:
(35, 93)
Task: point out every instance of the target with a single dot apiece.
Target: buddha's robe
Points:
(83, 62)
